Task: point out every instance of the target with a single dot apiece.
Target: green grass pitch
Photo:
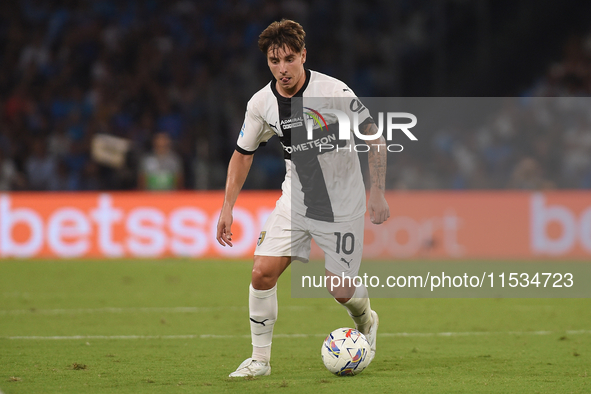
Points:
(180, 326)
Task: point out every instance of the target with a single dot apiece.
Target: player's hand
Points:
(378, 208)
(224, 230)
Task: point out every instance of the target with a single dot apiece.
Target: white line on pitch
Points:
(188, 309)
(213, 336)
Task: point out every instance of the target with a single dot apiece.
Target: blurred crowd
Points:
(530, 143)
(173, 77)
(540, 140)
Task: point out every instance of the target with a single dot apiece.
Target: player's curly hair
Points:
(283, 33)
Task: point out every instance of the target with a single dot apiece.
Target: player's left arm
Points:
(377, 205)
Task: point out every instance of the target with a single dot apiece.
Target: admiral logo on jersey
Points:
(291, 123)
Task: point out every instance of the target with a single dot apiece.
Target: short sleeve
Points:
(255, 131)
(348, 102)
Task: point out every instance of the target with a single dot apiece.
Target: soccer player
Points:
(322, 194)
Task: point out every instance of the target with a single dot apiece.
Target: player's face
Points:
(287, 67)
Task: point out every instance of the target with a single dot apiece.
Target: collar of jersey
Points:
(299, 92)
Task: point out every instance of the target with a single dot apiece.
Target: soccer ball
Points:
(345, 351)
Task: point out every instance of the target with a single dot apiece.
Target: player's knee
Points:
(341, 294)
(342, 300)
(262, 280)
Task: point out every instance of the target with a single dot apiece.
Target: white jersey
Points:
(326, 185)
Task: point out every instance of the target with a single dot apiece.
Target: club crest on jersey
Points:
(261, 238)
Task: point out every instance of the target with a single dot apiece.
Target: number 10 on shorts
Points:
(346, 242)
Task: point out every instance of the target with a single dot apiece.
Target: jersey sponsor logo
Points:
(274, 126)
(325, 140)
(292, 122)
(261, 238)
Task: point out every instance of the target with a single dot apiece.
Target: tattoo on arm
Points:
(377, 157)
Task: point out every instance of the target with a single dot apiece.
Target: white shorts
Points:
(342, 242)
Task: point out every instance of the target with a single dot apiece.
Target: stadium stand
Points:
(70, 70)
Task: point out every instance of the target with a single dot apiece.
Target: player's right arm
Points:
(255, 131)
(237, 171)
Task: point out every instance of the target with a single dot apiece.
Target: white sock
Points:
(263, 314)
(359, 309)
